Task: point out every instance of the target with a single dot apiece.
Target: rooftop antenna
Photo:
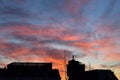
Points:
(65, 65)
(89, 66)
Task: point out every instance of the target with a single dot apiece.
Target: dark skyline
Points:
(75, 70)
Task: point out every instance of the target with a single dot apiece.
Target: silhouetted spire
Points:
(73, 57)
(75, 70)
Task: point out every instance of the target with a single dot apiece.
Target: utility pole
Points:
(65, 65)
(89, 66)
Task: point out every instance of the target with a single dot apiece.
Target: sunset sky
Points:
(45, 30)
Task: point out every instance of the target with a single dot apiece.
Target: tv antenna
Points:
(89, 66)
(65, 62)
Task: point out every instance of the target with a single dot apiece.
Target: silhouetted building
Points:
(29, 71)
(75, 70)
(44, 71)
(100, 74)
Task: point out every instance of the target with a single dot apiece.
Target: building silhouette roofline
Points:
(76, 71)
(30, 71)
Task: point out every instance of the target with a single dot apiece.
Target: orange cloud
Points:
(112, 56)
